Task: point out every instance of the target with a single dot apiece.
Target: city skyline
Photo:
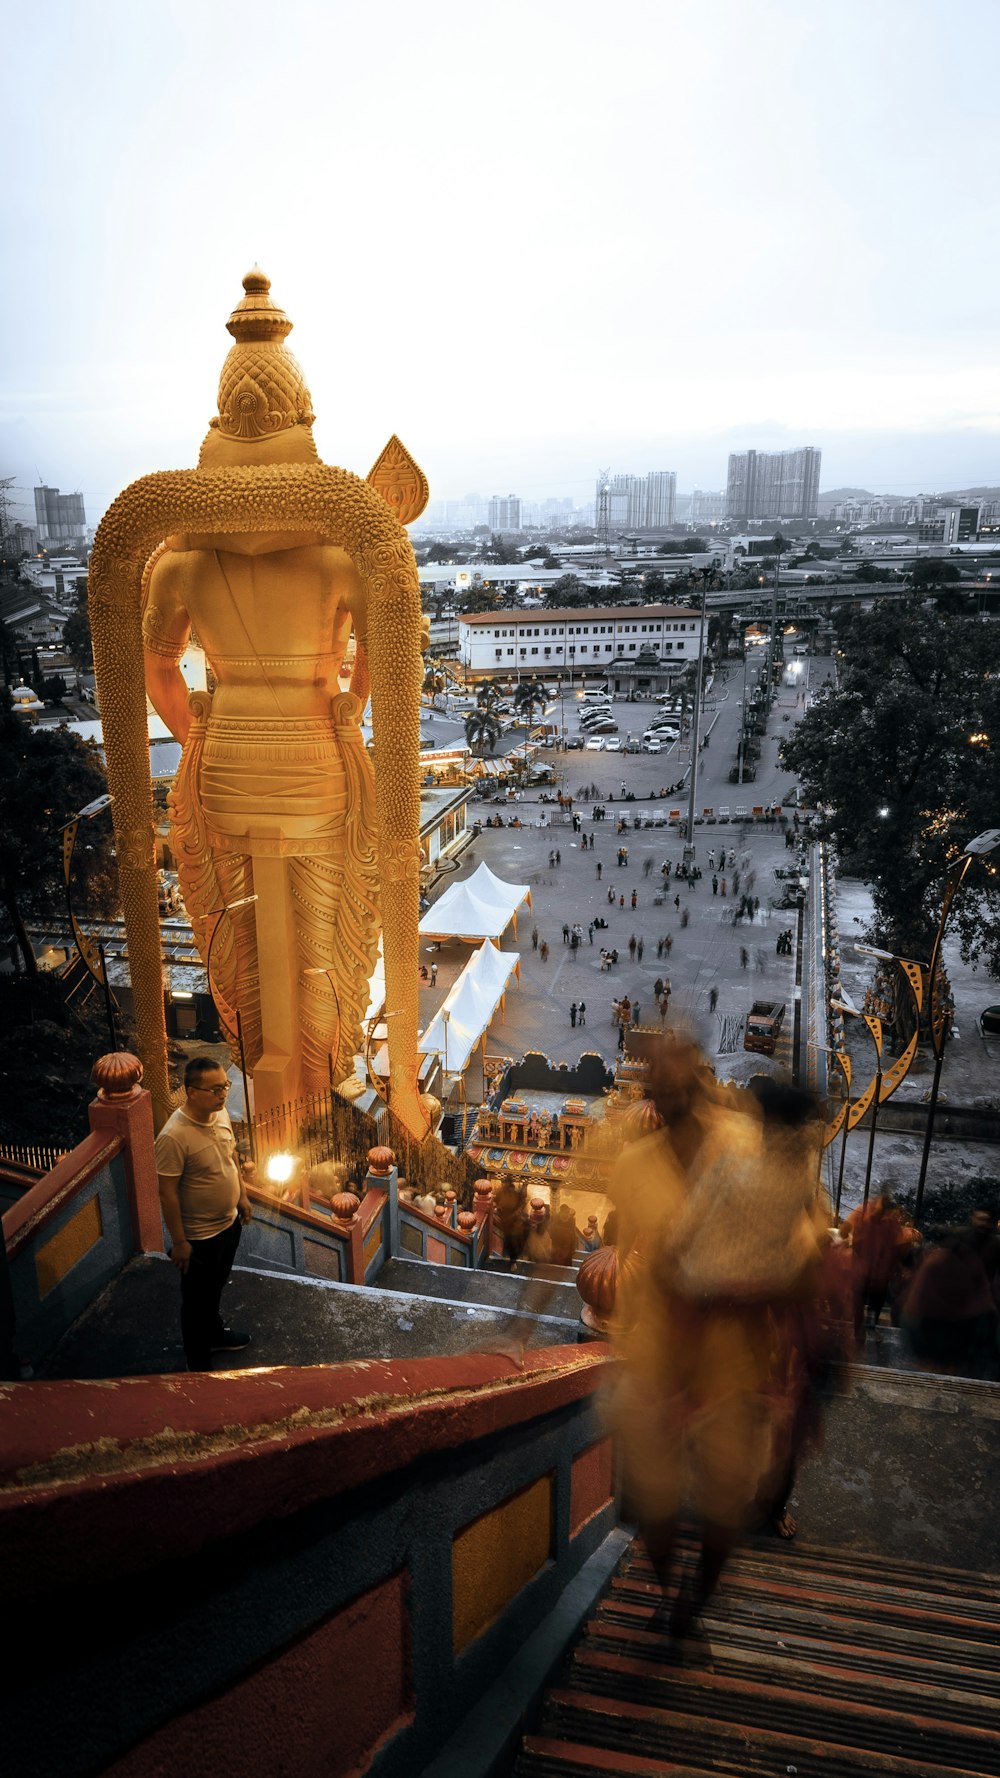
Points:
(675, 316)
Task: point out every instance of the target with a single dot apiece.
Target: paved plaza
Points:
(705, 945)
(707, 951)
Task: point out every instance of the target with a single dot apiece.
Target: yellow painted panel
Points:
(495, 1556)
(63, 1250)
(373, 1240)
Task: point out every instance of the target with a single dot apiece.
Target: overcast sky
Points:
(534, 238)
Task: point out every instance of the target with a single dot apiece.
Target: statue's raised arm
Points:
(290, 850)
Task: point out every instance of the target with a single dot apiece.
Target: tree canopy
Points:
(482, 730)
(46, 776)
(903, 756)
(567, 590)
(76, 635)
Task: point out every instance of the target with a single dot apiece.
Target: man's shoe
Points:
(230, 1340)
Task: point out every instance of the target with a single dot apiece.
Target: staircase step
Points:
(879, 1602)
(943, 1695)
(544, 1757)
(785, 1617)
(734, 1747)
(841, 1709)
(772, 1555)
(952, 1672)
(503, 1290)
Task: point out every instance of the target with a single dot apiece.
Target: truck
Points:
(764, 1022)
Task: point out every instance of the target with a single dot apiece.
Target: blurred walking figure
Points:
(881, 1237)
(713, 998)
(715, 1224)
(510, 1207)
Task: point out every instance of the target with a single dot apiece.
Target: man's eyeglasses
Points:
(218, 1092)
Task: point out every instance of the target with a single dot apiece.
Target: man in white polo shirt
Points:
(204, 1202)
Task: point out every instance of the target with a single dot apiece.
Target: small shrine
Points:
(534, 1139)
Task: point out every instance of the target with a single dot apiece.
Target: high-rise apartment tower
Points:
(773, 484)
(60, 517)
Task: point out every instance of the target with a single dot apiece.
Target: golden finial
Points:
(262, 390)
(256, 317)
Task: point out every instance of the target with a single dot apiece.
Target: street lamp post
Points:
(939, 1017)
(696, 716)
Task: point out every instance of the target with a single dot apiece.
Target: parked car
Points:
(651, 745)
(574, 743)
(631, 747)
(613, 744)
(595, 745)
(989, 1021)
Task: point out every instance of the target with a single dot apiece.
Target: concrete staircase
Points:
(530, 1290)
(813, 1662)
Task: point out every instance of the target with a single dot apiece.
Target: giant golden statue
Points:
(291, 853)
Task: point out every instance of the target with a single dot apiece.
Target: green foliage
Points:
(481, 598)
(529, 696)
(482, 730)
(8, 655)
(947, 1203)
(47, 1050)
(653, 584)
(933, 573)
(76, 637)
(46, 776)
(568, 590)
(434, 683)
(903, 758)
(502, 550)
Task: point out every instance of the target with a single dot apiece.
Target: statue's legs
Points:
(336, 929)
(286, 825)
(235, 980)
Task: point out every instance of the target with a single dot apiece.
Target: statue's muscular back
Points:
(273, 613)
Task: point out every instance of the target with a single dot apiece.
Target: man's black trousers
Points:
(201, 1289)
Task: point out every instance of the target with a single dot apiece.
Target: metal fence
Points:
(33, 1157)
(324, 1127)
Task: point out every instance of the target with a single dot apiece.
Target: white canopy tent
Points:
(480, 907)
(464, 1018)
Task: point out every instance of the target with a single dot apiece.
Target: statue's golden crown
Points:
(262, 389)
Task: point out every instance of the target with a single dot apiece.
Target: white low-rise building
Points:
(584, 640)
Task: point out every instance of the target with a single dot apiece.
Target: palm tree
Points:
(482, 731)
(488, 695)
(434, 684)
(528, 694)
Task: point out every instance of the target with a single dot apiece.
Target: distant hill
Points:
(965, 494)
(831, 497)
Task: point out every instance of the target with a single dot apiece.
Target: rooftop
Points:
(581, 614)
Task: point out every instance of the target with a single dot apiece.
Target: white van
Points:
(593, 696)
